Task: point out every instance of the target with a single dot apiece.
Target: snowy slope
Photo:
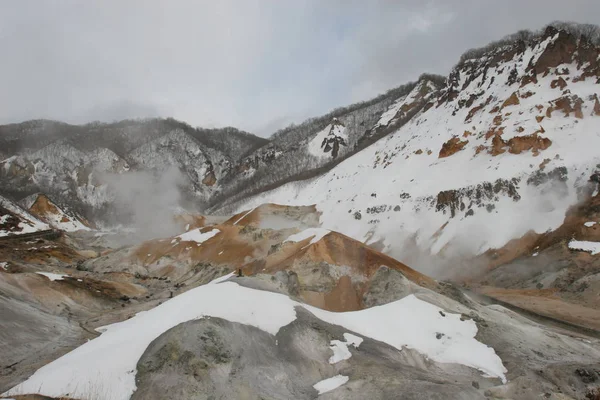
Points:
(58, 217)
(497, 154)
(107, 364)
(14, 220)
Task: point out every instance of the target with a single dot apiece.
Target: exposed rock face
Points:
(596, 105)
(558, 83)
(387, 285)
(568, 105)
(209, 179)
(511, 101)
(61, 218)
(332, 142)
(478, 196)
(452, 146)
(519, 144)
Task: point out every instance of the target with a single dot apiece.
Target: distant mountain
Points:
(71, 162)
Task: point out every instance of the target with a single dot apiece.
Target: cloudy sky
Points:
(254, 64)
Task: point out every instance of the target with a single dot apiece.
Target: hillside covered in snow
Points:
(506, 146)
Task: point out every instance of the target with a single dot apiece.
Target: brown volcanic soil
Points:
(546, 303)
(334, 272)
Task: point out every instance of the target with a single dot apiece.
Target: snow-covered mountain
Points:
(506, 146)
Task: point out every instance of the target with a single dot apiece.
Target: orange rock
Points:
(597, 106)
(539, 118)
(567, 104)
(519, 144)
(452, 146)
(419, 151)
(520, 129)
(498, 145)
(560, 83)
(527, 94)
(511, 101)
(467, 134)
(541, 130)
(480, 148)
(209, 179)
(494, 131)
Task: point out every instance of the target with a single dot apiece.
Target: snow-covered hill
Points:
(116, 352)
(14, 220)
(58, 217)
(507, 146)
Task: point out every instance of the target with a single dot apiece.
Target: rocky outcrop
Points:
(596, 105)
(511, 101)
(334, 139)
(519, 144)
(209, 178)
(480, 196)
(451, 147)
(566, 104)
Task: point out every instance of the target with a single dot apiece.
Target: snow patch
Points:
(244, 216)
(332, 131)
(222, 278)
(340, 349)
(329, 384)
(590, 224)
(316, 234)
(196, 236)
(591, 247)
(52, 276)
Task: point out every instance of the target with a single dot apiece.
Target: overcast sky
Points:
(256, 65)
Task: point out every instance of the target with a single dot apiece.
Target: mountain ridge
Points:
(248, 165)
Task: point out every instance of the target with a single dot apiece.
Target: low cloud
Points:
(238, 63)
